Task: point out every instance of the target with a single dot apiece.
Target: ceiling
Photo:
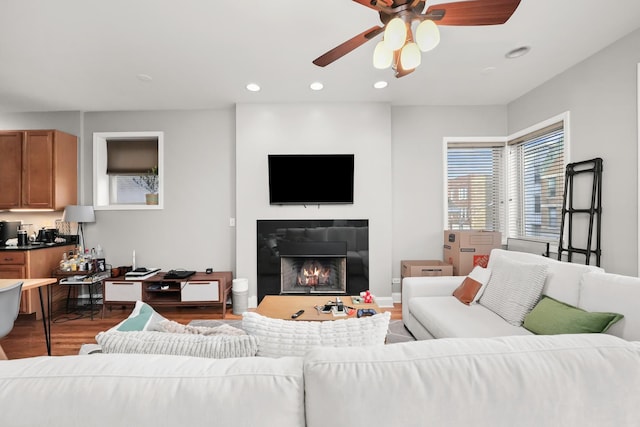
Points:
(87, 55)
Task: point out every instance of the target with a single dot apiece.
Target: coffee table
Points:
(283, 306)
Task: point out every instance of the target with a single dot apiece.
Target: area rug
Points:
(396, 333)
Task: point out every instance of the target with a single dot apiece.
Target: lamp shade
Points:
(395, 34)
(382, 56)
(79, 214)
(410, 56)
(427, 35)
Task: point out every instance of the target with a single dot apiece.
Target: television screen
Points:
(310, 179)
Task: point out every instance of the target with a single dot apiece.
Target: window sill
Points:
(129, 207)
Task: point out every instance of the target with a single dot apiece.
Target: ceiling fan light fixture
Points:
(382, 56)
(410, 56)
(427, 35)
(395, 34)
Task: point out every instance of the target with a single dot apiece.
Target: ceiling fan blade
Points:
(380, 4)
(478, 12)
(346, 47)
(366, 3)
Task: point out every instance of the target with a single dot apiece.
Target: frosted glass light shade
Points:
(395, 34)
(427, 35)
(382, 56)
(410, 56)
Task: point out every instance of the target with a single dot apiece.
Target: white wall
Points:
(192, 231)
(360, 129)
(418, 174)
(399, 178)
(601, 95)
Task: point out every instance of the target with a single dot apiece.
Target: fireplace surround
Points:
(337, 249)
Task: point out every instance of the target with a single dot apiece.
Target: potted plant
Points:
(149, 182)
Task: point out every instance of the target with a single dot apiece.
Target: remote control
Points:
(296, 314)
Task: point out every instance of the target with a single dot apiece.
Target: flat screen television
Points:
(310, 179)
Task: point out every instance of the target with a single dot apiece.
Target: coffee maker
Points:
(8, 230)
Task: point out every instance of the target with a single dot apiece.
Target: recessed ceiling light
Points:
(253, 87)
(380, 85)
(488, 70)
(517, 52)
(144, 77)
(316, 86)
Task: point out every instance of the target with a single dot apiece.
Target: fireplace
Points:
(335, 254)
(313, 267)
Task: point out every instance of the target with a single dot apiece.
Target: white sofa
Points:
(430, 311)
(568, 380)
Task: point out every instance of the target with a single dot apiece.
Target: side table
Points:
(91, 280)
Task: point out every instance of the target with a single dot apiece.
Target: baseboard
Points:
(384, 301)
(396, 297)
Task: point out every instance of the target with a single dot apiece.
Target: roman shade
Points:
(131, 156)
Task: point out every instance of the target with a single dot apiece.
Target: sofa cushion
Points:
(617, 293)
(445, 317)
(514, 289)
(471, 289)
(105, 390)
(153, 342)
(563, 278)
(550, 317)
(572, 380)
(278, 337)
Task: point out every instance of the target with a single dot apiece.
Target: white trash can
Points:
(240, 292)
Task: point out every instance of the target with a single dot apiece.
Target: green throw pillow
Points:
(550, 317)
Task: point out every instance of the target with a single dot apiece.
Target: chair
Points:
(9, 306)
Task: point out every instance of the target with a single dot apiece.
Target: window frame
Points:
(101, 180)
(505, 221)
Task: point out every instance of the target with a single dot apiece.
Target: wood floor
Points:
(70, 331)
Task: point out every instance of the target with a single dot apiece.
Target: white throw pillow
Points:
(481, 275)
(514, 289)
(152, 342)
(279, 338)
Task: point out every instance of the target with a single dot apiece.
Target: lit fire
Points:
(313, 273)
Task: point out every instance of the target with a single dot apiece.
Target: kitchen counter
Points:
(33, 261)
(33, 246)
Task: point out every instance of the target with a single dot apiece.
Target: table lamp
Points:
(79, 214)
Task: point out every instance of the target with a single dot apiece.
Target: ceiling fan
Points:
(410, 13)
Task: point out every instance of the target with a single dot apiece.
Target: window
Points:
(128, 170)
(474, 175)
(536, 171)
(514, 186)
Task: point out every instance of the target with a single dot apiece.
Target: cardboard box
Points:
(464, 249)
(425, 268)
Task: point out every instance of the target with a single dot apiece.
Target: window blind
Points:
(475, 174)
(536, 183)
(131, 157)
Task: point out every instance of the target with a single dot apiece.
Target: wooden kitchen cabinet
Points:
(32, 264)
(40, 170)
(11, 169)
